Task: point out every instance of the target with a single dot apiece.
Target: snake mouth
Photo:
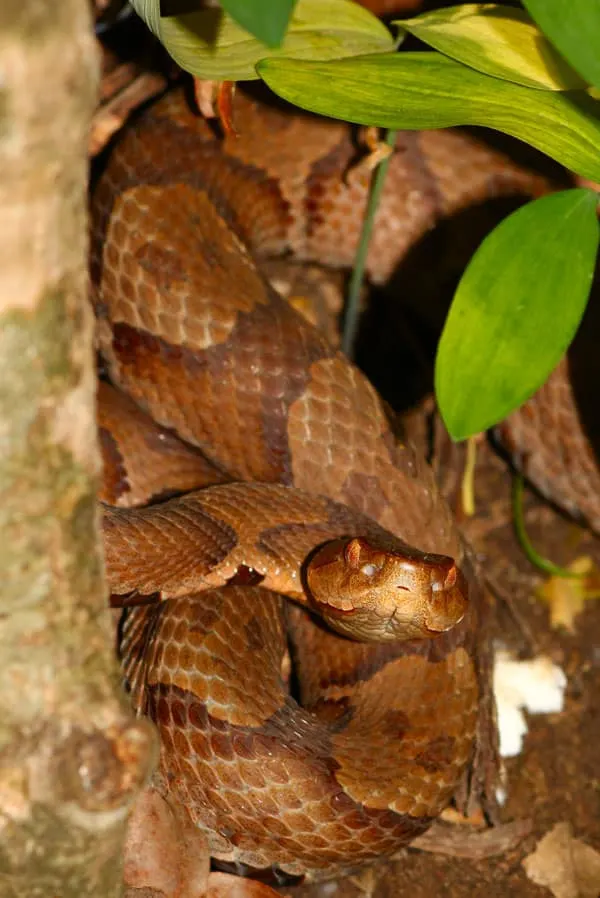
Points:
(334, 610)
(438, 630)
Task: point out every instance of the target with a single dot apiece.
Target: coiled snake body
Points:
(300, 452)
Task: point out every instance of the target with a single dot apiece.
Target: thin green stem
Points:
(538, 560)
(358, 272)
(467, 487)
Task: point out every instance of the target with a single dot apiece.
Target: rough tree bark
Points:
(71, 758)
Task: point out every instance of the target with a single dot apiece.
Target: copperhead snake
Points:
(226, 387)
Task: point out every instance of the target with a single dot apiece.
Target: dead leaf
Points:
(567, 596)
(565, 865)
(165, 854)
(205, 93)
(459, 841)
(453, 816)
(224, 885)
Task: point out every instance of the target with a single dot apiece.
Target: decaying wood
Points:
(123, 91)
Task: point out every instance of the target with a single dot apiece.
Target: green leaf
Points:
(149, 11)
(428, 90)
(574, 27)
(265, 21)
(209, 44)
(498, 40)
(516, 310)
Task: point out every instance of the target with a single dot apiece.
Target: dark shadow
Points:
(272, 876)
(584, 367)
(401, 329)
(400, 332)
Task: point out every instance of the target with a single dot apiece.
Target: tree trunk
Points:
(71, 758)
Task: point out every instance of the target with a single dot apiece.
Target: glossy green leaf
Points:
(149, 11)
(265, 21)
(499, 40)
(573, 26)
(210, 45)
(428, 90)
(516, 310)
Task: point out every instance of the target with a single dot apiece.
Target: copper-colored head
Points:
(379, 596)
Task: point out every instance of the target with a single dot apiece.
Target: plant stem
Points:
(519, 522)
(467, 488)
(358, 272)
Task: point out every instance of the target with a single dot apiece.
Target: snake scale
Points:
(254, 444)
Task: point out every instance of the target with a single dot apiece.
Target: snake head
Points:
(376, 595)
